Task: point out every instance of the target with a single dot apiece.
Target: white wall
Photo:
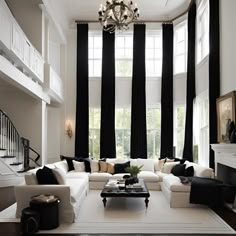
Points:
(54, 133)
(70, 92)
(228, 45)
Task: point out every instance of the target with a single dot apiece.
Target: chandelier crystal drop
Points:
(117, 15)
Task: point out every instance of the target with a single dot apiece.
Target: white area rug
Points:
(123, 216)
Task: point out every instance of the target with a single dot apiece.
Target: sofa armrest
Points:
(23, 194)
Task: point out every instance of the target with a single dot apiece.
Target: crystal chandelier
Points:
(117, 15)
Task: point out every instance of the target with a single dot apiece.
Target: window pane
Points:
(124, 68)
(119, 53)
(158, 42)
(158, 67)
(158, 53)
(97, 118)
(128, 53)
(153, 132)
(98, 53)
(180, 47)
(149, 42)
(180, 117)
(97, 42)
(181, 34)
(180, 64)
(90, 68)
(120, 42)
(150, 68)
(129, 42)
(98, 68)
(149, 53)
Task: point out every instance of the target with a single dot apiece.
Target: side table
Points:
(48, 208)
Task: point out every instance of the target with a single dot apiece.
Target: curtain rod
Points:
(145, 21)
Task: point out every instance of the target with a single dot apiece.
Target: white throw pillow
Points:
(62, 165)
(168, 167)
(31, 179)
(94, 166)
(148, 164)
(79, 166)
(158, 164)
(200, 171)
(60, 175)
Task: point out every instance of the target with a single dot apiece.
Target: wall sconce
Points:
(69, 131)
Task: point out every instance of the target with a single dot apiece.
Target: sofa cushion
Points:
(148, 164)
(158, 164)
(62, 165)
(178, 170)
(168, 167)
(148, 176)
(110, 168)
(46, 176)
(69, 162)
(31, 179)
(161, 175)
(121, 167)
(97, 177)
(200, 171)
(86, 161)
(94, 166)
(79, 166)
(74, 175)
(174, 184)
(102, 166)
(60, 175)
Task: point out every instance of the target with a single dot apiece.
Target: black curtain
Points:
(214, 73)
(138, 147)
(107, 131)
(191, 93)
(82, 125)
(167, 92)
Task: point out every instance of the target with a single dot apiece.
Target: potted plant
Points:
(133, 170)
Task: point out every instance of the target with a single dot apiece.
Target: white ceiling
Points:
(65, 12)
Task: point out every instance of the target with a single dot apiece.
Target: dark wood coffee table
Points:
(142, 192)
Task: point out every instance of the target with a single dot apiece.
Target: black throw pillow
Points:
(120, 167)
(188, 172)
(69, 161)
(86, 161)
(46, 176)
(178, 170)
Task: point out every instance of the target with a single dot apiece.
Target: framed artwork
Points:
(225, 114)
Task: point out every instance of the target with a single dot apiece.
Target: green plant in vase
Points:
(133, 170)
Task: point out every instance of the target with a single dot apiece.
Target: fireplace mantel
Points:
(225, 154)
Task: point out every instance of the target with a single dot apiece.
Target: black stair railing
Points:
(14, 145)
(10, 140)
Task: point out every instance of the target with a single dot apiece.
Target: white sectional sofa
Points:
(156, 174)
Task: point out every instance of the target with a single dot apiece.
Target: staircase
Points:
(14, 153)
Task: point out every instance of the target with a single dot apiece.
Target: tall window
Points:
(153, 132)
(124, 54)
(94, 132)
(95, 54)
(180, 48)
(201, 128)
(153, 53)
(179, 124)
(122, 125)
(203, 30)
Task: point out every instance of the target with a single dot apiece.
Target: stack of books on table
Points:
(136, 187)
(112, 185)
